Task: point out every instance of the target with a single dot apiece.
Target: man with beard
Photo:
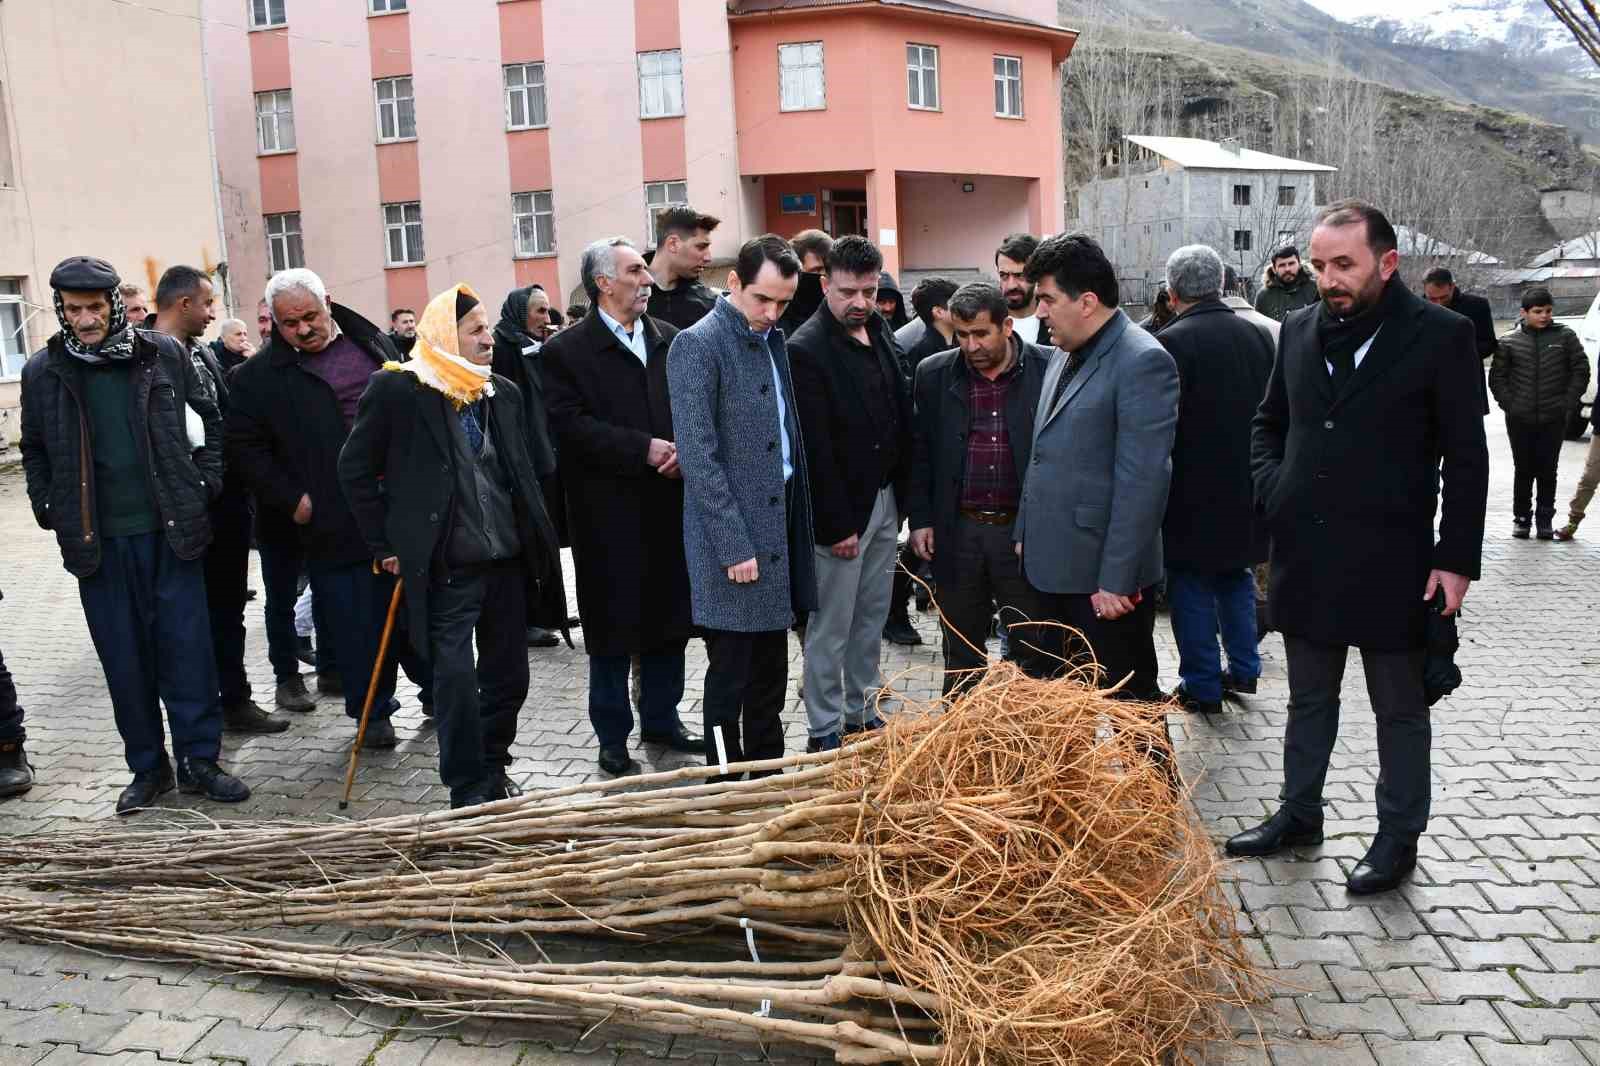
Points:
(683, 250)
(855, 417)
(1010, 261)
(438, 476)
(403, 330)
(1286, 286)
(612, 418)
(1372, 405)
(120, 473)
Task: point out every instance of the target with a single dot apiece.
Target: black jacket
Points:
(683, 306)
(1223, 365)
(58, 454)
(939, 439)
(807, 298)
(1539, 376)
(398, 472)
(402, 345)
(1349, 484)
(932, 343)
(1477, 311)
(626, 520)
(835, 421)
(284, 431)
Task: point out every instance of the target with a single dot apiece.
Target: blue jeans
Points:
(1204, 604)
(146, 610)
(660, 692)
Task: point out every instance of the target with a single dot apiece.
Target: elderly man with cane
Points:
(439, 478)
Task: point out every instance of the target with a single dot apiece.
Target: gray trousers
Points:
(844, 636)
(1405, 734)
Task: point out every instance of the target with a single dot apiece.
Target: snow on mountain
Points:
(1524, 29)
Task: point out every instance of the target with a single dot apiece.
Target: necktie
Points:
(1074, 364)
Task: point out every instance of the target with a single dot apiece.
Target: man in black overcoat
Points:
(606, 386)
(1372, 409)
(440, 482)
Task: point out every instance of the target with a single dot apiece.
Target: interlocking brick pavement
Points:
(1491, 956)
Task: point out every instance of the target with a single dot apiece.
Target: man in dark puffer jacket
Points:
(122, 448)
(1538, 374)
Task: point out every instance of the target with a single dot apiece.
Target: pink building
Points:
(398, 146)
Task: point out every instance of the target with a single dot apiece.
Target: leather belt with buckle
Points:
(990, 518)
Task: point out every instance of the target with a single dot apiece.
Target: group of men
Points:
(718, 475)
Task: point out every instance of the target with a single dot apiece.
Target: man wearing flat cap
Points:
(122, 449)
(438, 475)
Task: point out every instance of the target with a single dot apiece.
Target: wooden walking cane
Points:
(372, 690)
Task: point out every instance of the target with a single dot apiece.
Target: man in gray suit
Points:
(1089, 527)
(746, 503)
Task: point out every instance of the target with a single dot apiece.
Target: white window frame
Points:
(409, 216)
(282, 101)
(1008, 86)
(393, 104)
(526, 91)
(798, 69)
(18, 357)
(266, 8)
(918, 66)
(664, 191)
(533, 206)
(387, 7)
(657, 87)
(285, 241)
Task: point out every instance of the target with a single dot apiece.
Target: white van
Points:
(1588, 330)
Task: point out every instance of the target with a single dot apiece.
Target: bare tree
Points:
(1584, 25)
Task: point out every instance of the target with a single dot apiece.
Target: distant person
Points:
(135, 305)
(1538, 376)
(1439, 286)
(1232, 298)
(1587, 482)
(403, 331)
(1010, 262)
(683, 251)
(1160, 311)
(263, 323)
(891, 301)
(1286, 285)
(16, 773)
(811, 248)
(232, 345)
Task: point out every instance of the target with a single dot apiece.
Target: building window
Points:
(267, 13)
(660, 84)
(275, 121)
(525, 99)
(922, 77)
(1286, 196)
(284, 249)
(658, 196)
(1241, 196)
(1008, 86)
(1241, 240)
(385, 7)
(13, 344)
(1286, 237)
(801, 85)
(533, 221)
(402, 231)
(397, 109)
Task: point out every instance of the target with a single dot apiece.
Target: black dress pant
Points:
(977, 570)
(10, 709)
(476, 701)
(1405, 735)
(1536, 452)
(1123, 647)
(747, 675)
(227, 565)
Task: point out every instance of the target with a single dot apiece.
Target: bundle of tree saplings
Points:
(1010, 878)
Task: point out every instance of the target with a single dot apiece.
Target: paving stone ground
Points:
(1491, 956)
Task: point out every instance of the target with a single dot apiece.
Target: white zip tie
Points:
(722, 749)
(766, 1009)
(571, 846)
(750, 940)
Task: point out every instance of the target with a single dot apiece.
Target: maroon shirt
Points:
(347, 369)
(991, 482)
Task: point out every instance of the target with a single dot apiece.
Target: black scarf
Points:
(1340, 338)
(118, 343)
(513, 325)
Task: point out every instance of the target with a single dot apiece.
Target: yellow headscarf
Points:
(436, 358)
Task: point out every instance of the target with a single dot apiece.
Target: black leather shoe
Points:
(1282, 830)
(1234, 686)
(1384, 866)
(1194, 706)
(380, 735)
(145, 787)
(1520, 527)
(900, 631)
(538, 637)
(852, 728)
(16, 773)
(615, 760)
(828, 742)
(679, 739)
(203, 777)
(249, 717)
(471, 797)
(502, 787)
(1545, 533)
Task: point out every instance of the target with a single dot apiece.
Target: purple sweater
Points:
(345, 367)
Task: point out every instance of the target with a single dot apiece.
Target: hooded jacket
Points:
(1276, 300)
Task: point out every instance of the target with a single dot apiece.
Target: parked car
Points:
(1588, 330)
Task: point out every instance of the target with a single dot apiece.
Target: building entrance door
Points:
(847, 211)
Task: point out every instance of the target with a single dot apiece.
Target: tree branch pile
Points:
(1008, 879)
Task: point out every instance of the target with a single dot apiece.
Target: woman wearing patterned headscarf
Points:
(438, 474)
